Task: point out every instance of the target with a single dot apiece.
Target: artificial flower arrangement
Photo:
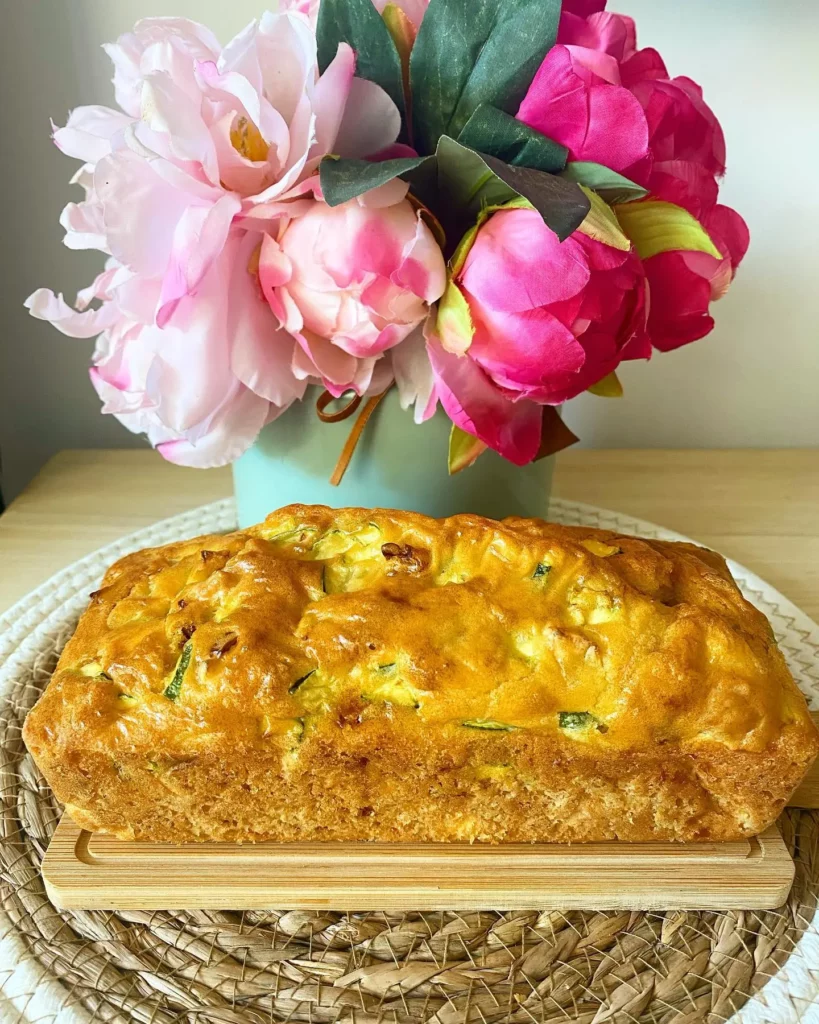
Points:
(488, 204)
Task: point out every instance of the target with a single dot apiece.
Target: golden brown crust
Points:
(370, 674)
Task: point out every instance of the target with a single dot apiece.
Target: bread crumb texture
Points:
(377, 675)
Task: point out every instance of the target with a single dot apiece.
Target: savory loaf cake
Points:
(377, 675)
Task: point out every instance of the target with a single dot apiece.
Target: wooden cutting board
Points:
(94, 872)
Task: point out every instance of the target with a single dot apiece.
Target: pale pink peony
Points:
(352, 282)
(548, 320)
(214, 149)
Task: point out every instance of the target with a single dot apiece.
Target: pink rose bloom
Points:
(549, 320)
(351, 282)
(212, 149)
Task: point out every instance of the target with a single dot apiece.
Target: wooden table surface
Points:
(758, 507)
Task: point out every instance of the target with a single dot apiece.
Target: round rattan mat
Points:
(442, 968)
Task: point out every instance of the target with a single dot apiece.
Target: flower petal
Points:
(474, 404)
(371, 121)
(516, 263)
(262, 352)
(143, 50)
(231, 432)
(138, 297)
(84, 226)
(199, 239)
(680, 298)
(330, 100)
(614, 34)
(100, 288)
(141, 210)
(422, 270)
(89, 131)
(414, 377)
(524, 350)
(168, 109)
(388, 194)
(45, 305)
(287, 57)
(595, 120)
(326, 360)
(365, 340)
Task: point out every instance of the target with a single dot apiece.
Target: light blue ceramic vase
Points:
(397, 464)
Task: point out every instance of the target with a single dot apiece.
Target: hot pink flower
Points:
(351, 282)
(684, 160)
(214, 148)
(548, 320)
(686, 147)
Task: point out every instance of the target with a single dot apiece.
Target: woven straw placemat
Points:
(365, 968)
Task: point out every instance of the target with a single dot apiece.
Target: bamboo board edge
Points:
(756, 875)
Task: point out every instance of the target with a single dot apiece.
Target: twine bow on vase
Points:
(345, 412)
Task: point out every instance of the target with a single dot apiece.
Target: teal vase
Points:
(397, 464)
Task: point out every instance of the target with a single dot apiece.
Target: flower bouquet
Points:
(484, 205)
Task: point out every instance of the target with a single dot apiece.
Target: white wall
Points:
(753, 382)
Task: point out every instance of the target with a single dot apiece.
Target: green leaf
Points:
(491, 131)
(342, 180)
(472, 181)
(561, 204)
(464, 449)
(465, 180)
(608, 387)
(454, 325)
(358, 23)
(601, 223)
(174, 687)
(555, 435)
(613, 187)
(470, 52)
(655, 226)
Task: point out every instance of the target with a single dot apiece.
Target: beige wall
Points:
(753, 382)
